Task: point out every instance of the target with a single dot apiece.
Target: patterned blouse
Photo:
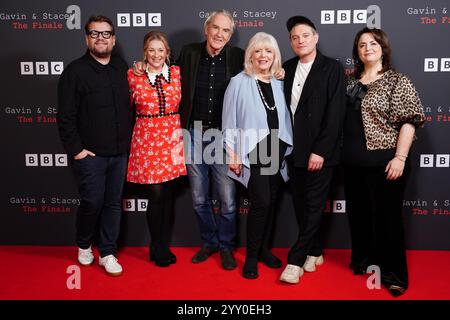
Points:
(389, 102)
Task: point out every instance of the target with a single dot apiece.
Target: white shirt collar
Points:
(152, 76)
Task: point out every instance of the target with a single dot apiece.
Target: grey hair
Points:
(259, 40)
(215, 13)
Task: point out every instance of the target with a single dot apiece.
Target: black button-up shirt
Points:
(94, 107)
(210, 89)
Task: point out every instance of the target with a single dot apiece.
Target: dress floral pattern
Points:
(157, 153)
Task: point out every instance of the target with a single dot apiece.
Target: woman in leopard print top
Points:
(383, 111)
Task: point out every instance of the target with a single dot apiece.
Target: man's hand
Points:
(83, 154)
(139, 68)
(315, 162)
(279, 75)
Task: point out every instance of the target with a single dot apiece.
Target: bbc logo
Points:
(139, 20)
(430, 161)
(343, 16)
(432, 65)
(335, 206)
(136, 205)
(45, 160)
(41, 67)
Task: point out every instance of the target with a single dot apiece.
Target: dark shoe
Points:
(250, 270)
(359, 268)
(228, 262)
(203, 254)
(396, 291)
(270, 260)
(172, 257)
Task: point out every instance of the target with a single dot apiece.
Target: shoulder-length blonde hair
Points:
(157, 35)
(260, 40)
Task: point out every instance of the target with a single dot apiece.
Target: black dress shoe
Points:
(203, 254)
(270, 260)
(172, 258)
(250, 270)
(228, 262)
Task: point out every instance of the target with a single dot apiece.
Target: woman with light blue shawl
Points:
(258, 136)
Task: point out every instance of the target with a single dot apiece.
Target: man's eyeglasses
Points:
(105, 34)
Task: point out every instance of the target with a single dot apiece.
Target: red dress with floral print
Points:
(157, 153)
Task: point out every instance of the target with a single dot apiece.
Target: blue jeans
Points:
(217, 230)
(100, 184)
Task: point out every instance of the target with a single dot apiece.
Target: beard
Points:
(102, 53)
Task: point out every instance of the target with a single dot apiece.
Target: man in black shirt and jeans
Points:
(94, 120)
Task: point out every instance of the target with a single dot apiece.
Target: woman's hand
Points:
(139, 68)
(236, 168)
(395, 168)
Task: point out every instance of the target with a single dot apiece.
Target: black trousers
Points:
(309, 191)
(263, 193)
(159, 215)
(100, 184)
(374, 207)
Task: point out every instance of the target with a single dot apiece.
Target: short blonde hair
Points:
(259, 40)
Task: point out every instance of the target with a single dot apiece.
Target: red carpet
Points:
(36, 272)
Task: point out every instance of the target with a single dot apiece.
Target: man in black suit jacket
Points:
(314, 90)
(206, 69)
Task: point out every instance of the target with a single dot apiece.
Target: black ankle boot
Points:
(172, 256)
(250, 270)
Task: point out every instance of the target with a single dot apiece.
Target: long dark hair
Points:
(382, 39)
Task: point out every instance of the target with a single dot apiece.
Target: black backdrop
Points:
(38, 38)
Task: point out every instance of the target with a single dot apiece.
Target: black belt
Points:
(156, 115)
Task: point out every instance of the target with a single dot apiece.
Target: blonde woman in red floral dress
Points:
(156, 155)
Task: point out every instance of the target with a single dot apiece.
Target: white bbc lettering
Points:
(41, 68)
(123, 20)
(26, 68)
(344, 16)
(128, 205)
(56, 67)
(442, 160)
(154, 19)
(31, 160)
(438, 160)
(139, 19)
(61, 160)
(327, 16)
(339, 206)
(427, 160)
(432, 65)
(134, 205)
(359, 16)
(45, 160)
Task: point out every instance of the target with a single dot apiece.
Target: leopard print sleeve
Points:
(406, 106)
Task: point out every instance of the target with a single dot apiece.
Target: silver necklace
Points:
(264, 99)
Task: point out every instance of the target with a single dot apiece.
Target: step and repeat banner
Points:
(39, 39)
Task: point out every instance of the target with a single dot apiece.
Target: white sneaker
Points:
(85, 256)
(311, 263)
(112, 267)
(291, 274)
